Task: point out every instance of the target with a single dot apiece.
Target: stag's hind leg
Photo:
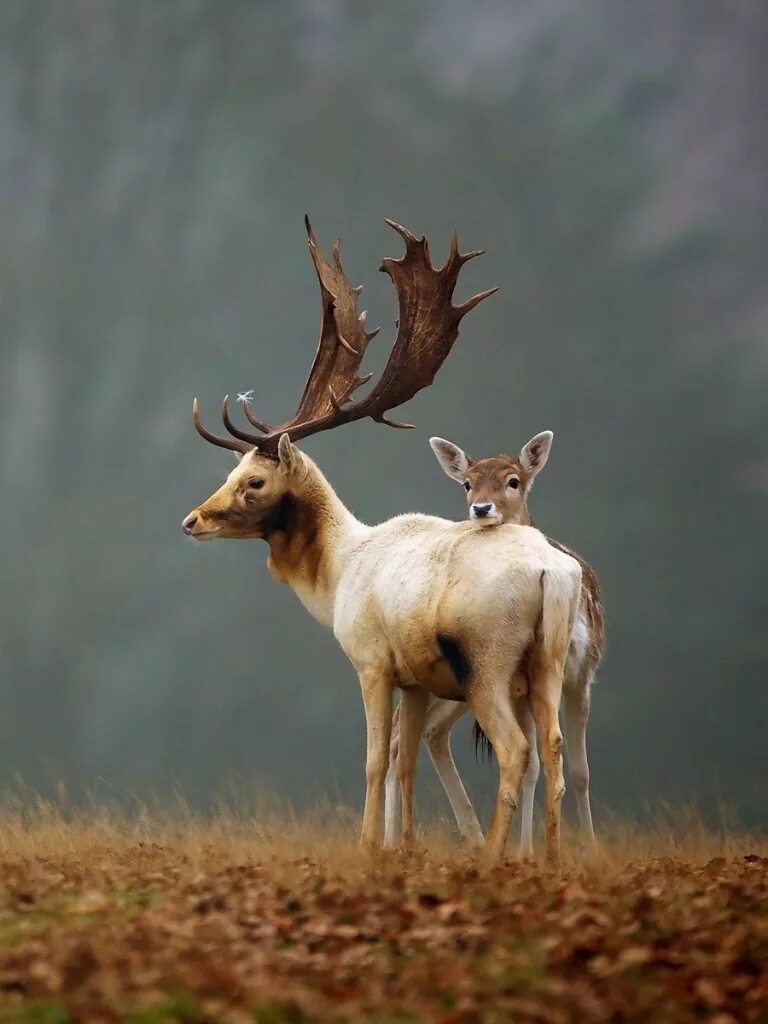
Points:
(545, 703)
(493, 708)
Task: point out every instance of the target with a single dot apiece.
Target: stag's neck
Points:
(311, 540)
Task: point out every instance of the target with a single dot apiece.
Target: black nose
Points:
(189, 523)
(481, 510)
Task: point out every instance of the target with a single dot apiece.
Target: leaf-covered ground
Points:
(222, 922)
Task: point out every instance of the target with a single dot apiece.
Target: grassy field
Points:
(279, 920)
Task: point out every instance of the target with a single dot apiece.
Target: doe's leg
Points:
(441, 718)
(531, 777)
(576, 703)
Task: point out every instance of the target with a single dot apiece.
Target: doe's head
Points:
(497, 487)
(254, 500)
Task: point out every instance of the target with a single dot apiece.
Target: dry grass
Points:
(255, 824)
(272, 917)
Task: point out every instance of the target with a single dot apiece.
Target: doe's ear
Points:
(288, 454)
(534, 454)
(454, 461)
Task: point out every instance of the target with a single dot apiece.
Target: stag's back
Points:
(418, 586)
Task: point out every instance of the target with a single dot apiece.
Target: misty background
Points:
(156, 161)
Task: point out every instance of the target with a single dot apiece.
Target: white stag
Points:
(418, 603)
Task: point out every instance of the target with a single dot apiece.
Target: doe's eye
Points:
(467, 486)
(255, 483)
(513, 482)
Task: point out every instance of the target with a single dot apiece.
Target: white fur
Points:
(577, 650)
(443, 715)
(395, 594)
(487, 585)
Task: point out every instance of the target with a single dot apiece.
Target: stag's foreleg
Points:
(376, 687)
(576, 703)
(413, 712)
(392, 801)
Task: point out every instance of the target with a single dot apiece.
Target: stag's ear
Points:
(238, 456)
(454, 461)
(534, 454)
(288, 454)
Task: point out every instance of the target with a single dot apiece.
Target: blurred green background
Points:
(155, 164)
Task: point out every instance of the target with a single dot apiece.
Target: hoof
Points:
(473, 841)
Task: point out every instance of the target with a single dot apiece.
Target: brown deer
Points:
(431, 607)
(497, 491)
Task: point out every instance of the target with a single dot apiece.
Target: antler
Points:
(428, 325)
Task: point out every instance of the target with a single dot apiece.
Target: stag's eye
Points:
(467, 486)
(513, 482)
(255, 483)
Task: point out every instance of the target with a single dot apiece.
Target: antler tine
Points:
(345, 344)
(255, 421)
(369, 335)
(412, 243)
(221, 442)
(382, 418)
(359, 381)
(407, 236)
(464, 307)
(338, 401)
(461, 257)
(242, 435)
(310, 233)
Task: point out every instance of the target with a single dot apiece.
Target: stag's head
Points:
(497, 487)
(255, 499)
(258, 494)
